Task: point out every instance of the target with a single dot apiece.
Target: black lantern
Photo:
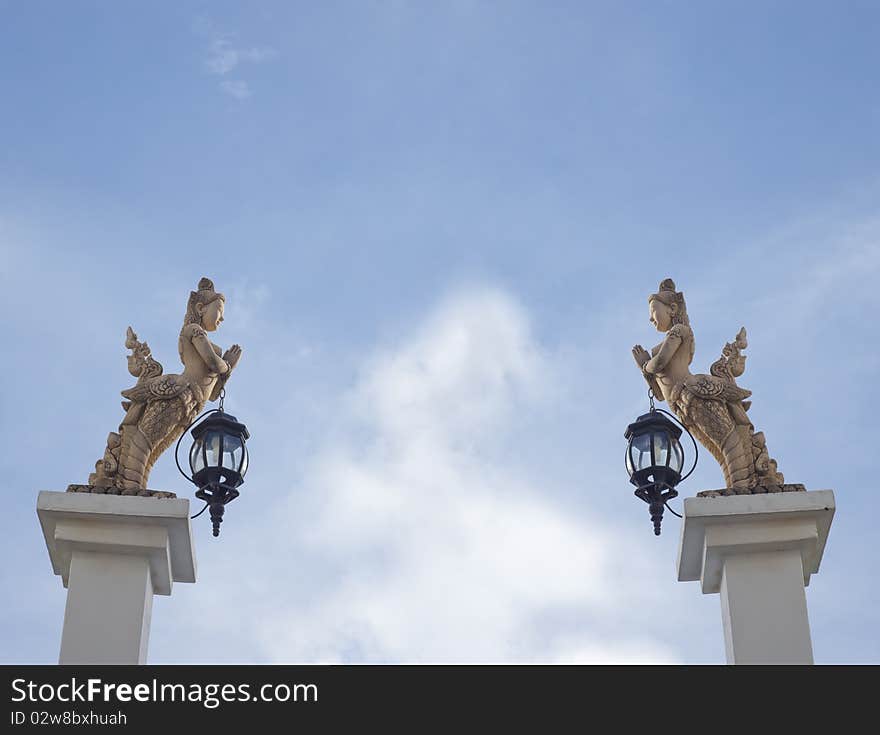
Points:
(218, 461)
(654, 460)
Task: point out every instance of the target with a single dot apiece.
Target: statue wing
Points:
(163, 388)
(714, 388)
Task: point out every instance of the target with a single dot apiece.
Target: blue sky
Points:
(436, 225)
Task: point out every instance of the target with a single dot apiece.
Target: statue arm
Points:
(661, 359)
(231, 357)
(215, 363)
(655, 387)
(642, 358)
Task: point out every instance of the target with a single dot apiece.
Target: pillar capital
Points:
(718, 528)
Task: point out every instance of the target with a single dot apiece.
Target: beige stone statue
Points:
(160, 407)
(712, 407)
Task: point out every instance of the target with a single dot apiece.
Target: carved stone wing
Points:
(716, 389)
(163, 388)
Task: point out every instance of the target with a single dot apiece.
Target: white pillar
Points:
(759, 552)
(113, 553)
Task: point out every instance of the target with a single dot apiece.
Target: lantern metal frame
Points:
(217, 485)
(656, 484)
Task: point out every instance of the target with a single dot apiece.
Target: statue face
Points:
(660, 315)
(212, 315)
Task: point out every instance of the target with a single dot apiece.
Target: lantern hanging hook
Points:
(651, 398)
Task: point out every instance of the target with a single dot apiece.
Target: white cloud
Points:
(438, 547)
(236, 88)
(460, 373)
(224, 57)
(634, 652)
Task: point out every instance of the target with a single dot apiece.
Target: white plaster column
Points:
(113, 553)
(759, 552)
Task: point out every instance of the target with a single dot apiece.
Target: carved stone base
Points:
(98, 490)
(757, 490)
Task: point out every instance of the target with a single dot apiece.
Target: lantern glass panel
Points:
(232, 451)
(677, 460)
(641, 451)
(196, 459)
(244, 464)
(661, 448)
(213, 443)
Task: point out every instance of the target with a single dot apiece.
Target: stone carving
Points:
(712, 407)
(160, 407)
(785, 488)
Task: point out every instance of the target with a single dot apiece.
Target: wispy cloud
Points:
(225, 56)
(236, 88)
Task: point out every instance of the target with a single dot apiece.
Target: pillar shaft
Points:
(109, 605)
(764, 609)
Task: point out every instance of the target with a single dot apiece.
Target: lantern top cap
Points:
(221, 421)
(652, 421)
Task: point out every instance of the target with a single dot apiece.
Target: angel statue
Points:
(712, 407)
(160, 407)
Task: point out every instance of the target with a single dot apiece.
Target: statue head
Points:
(667, 307)
(205, 306)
